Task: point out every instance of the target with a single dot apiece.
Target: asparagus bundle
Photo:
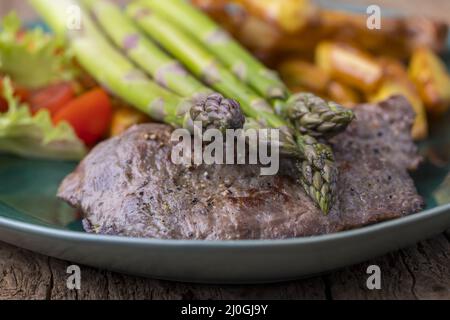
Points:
(239, 60)
(203, 64)
(164, 69)
(120, 76)
(316, 117)
(156, 62)
(317, 165)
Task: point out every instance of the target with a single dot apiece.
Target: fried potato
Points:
(268, 28)
(431, 79)
(393, 69)
(299, 26)
(288, 15)
(299, 73)
(349, 65)
(398, 36)
(342, 94)
(125, 117)
(258, 35)
(303, 76)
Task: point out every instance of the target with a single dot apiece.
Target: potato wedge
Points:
(125, 117)
(393, 69)
(342, 94)
(432, 80)
(301, 25)
(349, 65)
(301, 73)
(289, 15)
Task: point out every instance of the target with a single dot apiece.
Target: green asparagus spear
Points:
(316, 117)
(164, 69)
(117, 74)
(232, 54)
(286, 145)
(203, 64)
(319, 171)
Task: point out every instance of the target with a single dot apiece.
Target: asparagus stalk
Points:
(203, 64)
(316, 117)
(286, 145)
(121, 77)
(164, 69)
(319, 171)
(232, 54)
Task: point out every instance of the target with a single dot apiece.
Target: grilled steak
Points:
(128, 186)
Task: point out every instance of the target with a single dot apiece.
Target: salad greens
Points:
(32, 58)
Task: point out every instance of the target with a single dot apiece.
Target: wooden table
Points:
(421, 271)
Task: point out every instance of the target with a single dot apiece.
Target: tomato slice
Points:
(89, 115)
(52, 98)
(3, 105)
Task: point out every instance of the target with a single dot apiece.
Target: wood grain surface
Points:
(418, 272)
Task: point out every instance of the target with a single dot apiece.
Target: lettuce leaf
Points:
(35, 136)
(32, 58)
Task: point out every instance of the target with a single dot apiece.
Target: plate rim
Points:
(27, 227)
(57, 233)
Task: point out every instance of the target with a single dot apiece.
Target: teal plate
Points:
(33, 218)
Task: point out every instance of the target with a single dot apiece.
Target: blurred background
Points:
(437, 9)
(325, 47)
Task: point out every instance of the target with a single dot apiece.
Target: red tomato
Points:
(3, 105)
(89, 115)
(21, 93)
(52, 98)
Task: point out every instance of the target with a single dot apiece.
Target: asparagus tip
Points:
(215, 111)
(313, 115)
